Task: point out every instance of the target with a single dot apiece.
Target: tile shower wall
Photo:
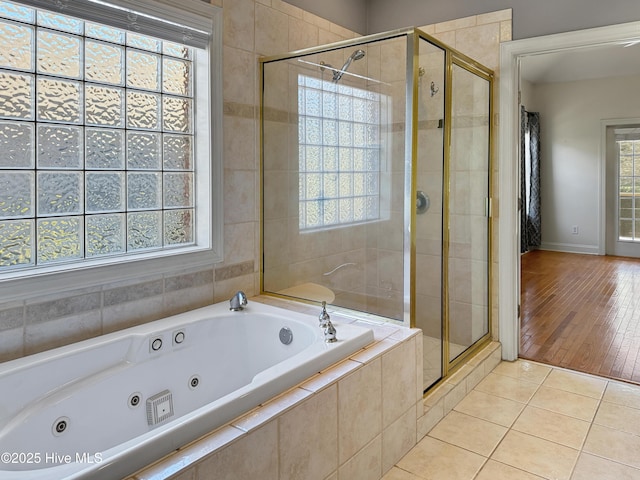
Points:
(251, 28)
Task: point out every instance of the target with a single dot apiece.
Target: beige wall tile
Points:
(398, 381)
(316, 20)
(430, 419)
(481, 43)
(505, 32)
(287, 8)
(190, 455)
(302, 34)
(240, 140)
(129, 314)
(457, 24)
(366, 464)
(306, 455)
(240, 196)
(330, 375)
(187, 299)
(343, 32)
(223, 290)
(326, 36)
(270, 409)
(239, 22)
(43, 336)
(240, 76)
(454, 397)
(240, 242)
(398, 438)
(252, 456)
(359, 409)
(272, 31)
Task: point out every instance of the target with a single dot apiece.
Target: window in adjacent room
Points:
(628, 187)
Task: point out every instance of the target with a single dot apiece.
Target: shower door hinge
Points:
(488, 208)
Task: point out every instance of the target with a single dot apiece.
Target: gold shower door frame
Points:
(452, 58)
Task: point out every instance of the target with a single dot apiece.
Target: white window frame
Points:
(16, 284)
(635, 211)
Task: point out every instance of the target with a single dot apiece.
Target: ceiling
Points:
(585, 63)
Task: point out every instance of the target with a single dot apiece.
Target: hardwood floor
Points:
(582, 312)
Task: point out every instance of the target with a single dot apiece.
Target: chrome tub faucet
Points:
(326, 325)
(238, 301)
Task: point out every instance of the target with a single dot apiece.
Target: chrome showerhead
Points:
(356, 55)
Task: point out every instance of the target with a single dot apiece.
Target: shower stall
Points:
(376, 186)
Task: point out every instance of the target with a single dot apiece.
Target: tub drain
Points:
(60, 426)
(286, 335)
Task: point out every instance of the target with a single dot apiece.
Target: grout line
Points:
(578, 450)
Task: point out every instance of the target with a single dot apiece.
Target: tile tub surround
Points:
(364, 414)
(528, 421)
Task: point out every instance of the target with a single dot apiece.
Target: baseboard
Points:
(570, 248)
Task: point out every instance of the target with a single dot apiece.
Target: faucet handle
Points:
(330, 333)
(324, 318)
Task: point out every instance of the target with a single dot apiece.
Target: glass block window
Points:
(629, 190)
(97, 140)
(339, 157)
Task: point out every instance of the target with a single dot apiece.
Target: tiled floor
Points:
(527, 421)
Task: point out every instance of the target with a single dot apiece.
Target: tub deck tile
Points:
(271, 409)
(189, 454)
(330, 375)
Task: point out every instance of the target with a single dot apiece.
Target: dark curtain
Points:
(530, 220)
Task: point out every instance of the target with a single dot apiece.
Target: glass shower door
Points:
(469, 210)
(429, 181)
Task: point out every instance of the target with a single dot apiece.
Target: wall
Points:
(570, 116)
(530, 19)
(251, 28)
(351, 14)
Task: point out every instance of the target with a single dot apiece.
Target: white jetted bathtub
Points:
(105, 407)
